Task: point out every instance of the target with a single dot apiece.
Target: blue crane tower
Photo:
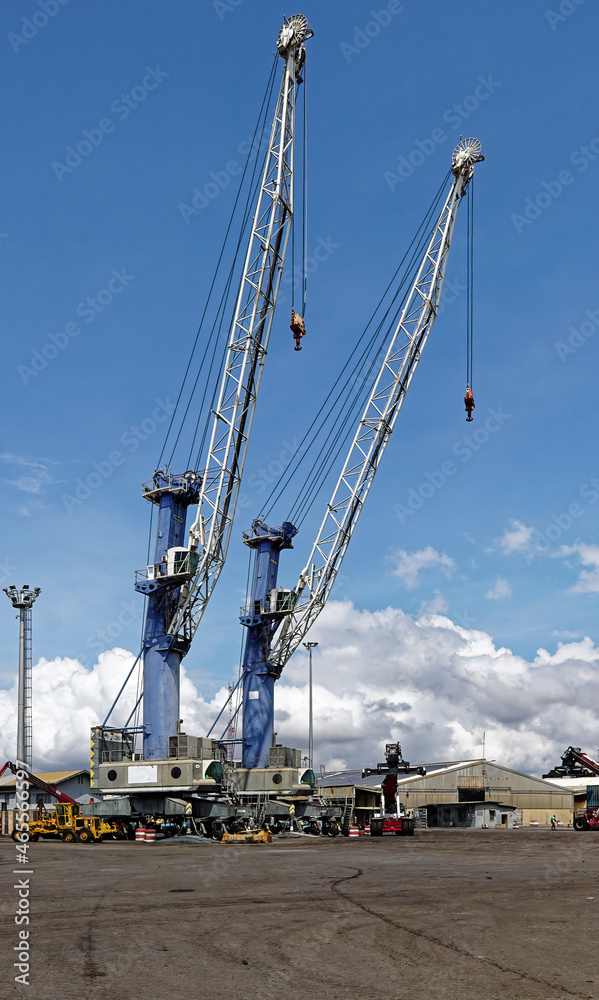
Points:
(262, 617)
(173, 568)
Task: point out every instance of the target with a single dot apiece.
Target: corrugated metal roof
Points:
(337, 779)
(50, 777)
(572, 784)
(340, 779)
(441, 770)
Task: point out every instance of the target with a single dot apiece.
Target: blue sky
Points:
(524, 81)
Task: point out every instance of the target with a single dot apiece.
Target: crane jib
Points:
(377, 421)
(179, 583)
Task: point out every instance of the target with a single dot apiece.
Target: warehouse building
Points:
(472, 793)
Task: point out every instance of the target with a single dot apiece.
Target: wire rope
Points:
(333, 400)
(254, 187)
(305, 199)
(217, 327)
(263, 109)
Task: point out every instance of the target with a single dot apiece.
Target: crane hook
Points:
(298, 328)
(469, 403)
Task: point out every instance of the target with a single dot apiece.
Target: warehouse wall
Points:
(519, 791)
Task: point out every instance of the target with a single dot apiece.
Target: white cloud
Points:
(516, 538)
(437, 605)
(588, 581)
(378, 676)
(409, 565)
(69, 698)
(33, 475)
(501, 589)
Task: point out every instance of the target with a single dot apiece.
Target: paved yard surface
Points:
(445, 914)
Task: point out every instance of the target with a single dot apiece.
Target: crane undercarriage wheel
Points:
(312, 828)
(580, 823)
(69, 837)
(376, 828)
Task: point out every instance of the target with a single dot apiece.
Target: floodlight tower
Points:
(23, 600)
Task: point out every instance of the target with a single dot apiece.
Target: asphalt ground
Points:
(446, 913)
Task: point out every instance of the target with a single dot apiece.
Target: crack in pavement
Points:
(444, 944)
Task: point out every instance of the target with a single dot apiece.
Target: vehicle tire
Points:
(580, 823)
(85, 836)
(376, 828)
(69, 837)
(217, 831)
(15, 837)
(410, 829)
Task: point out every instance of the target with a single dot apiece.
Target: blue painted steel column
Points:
(162, 653)
(262, 622)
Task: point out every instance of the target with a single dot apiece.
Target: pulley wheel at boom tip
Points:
(467, 151)
(298, 23)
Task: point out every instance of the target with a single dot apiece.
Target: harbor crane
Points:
(277, 620)
(181, 578)
(183, 572)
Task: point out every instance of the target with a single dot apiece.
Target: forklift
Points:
(392, 817)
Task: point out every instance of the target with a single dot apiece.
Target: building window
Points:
(491, 814)
(80, 779)
(461, 815)
(471, 795)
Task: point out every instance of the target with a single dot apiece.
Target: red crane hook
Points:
(298, 328)
(469, 403)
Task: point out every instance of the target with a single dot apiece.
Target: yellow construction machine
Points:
(63, 819)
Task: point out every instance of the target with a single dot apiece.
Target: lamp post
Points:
(310, 646)
(22, 600)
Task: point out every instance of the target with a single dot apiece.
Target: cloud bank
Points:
(378, 676)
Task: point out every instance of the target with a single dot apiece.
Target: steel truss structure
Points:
(378, 419)
(248, 343)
